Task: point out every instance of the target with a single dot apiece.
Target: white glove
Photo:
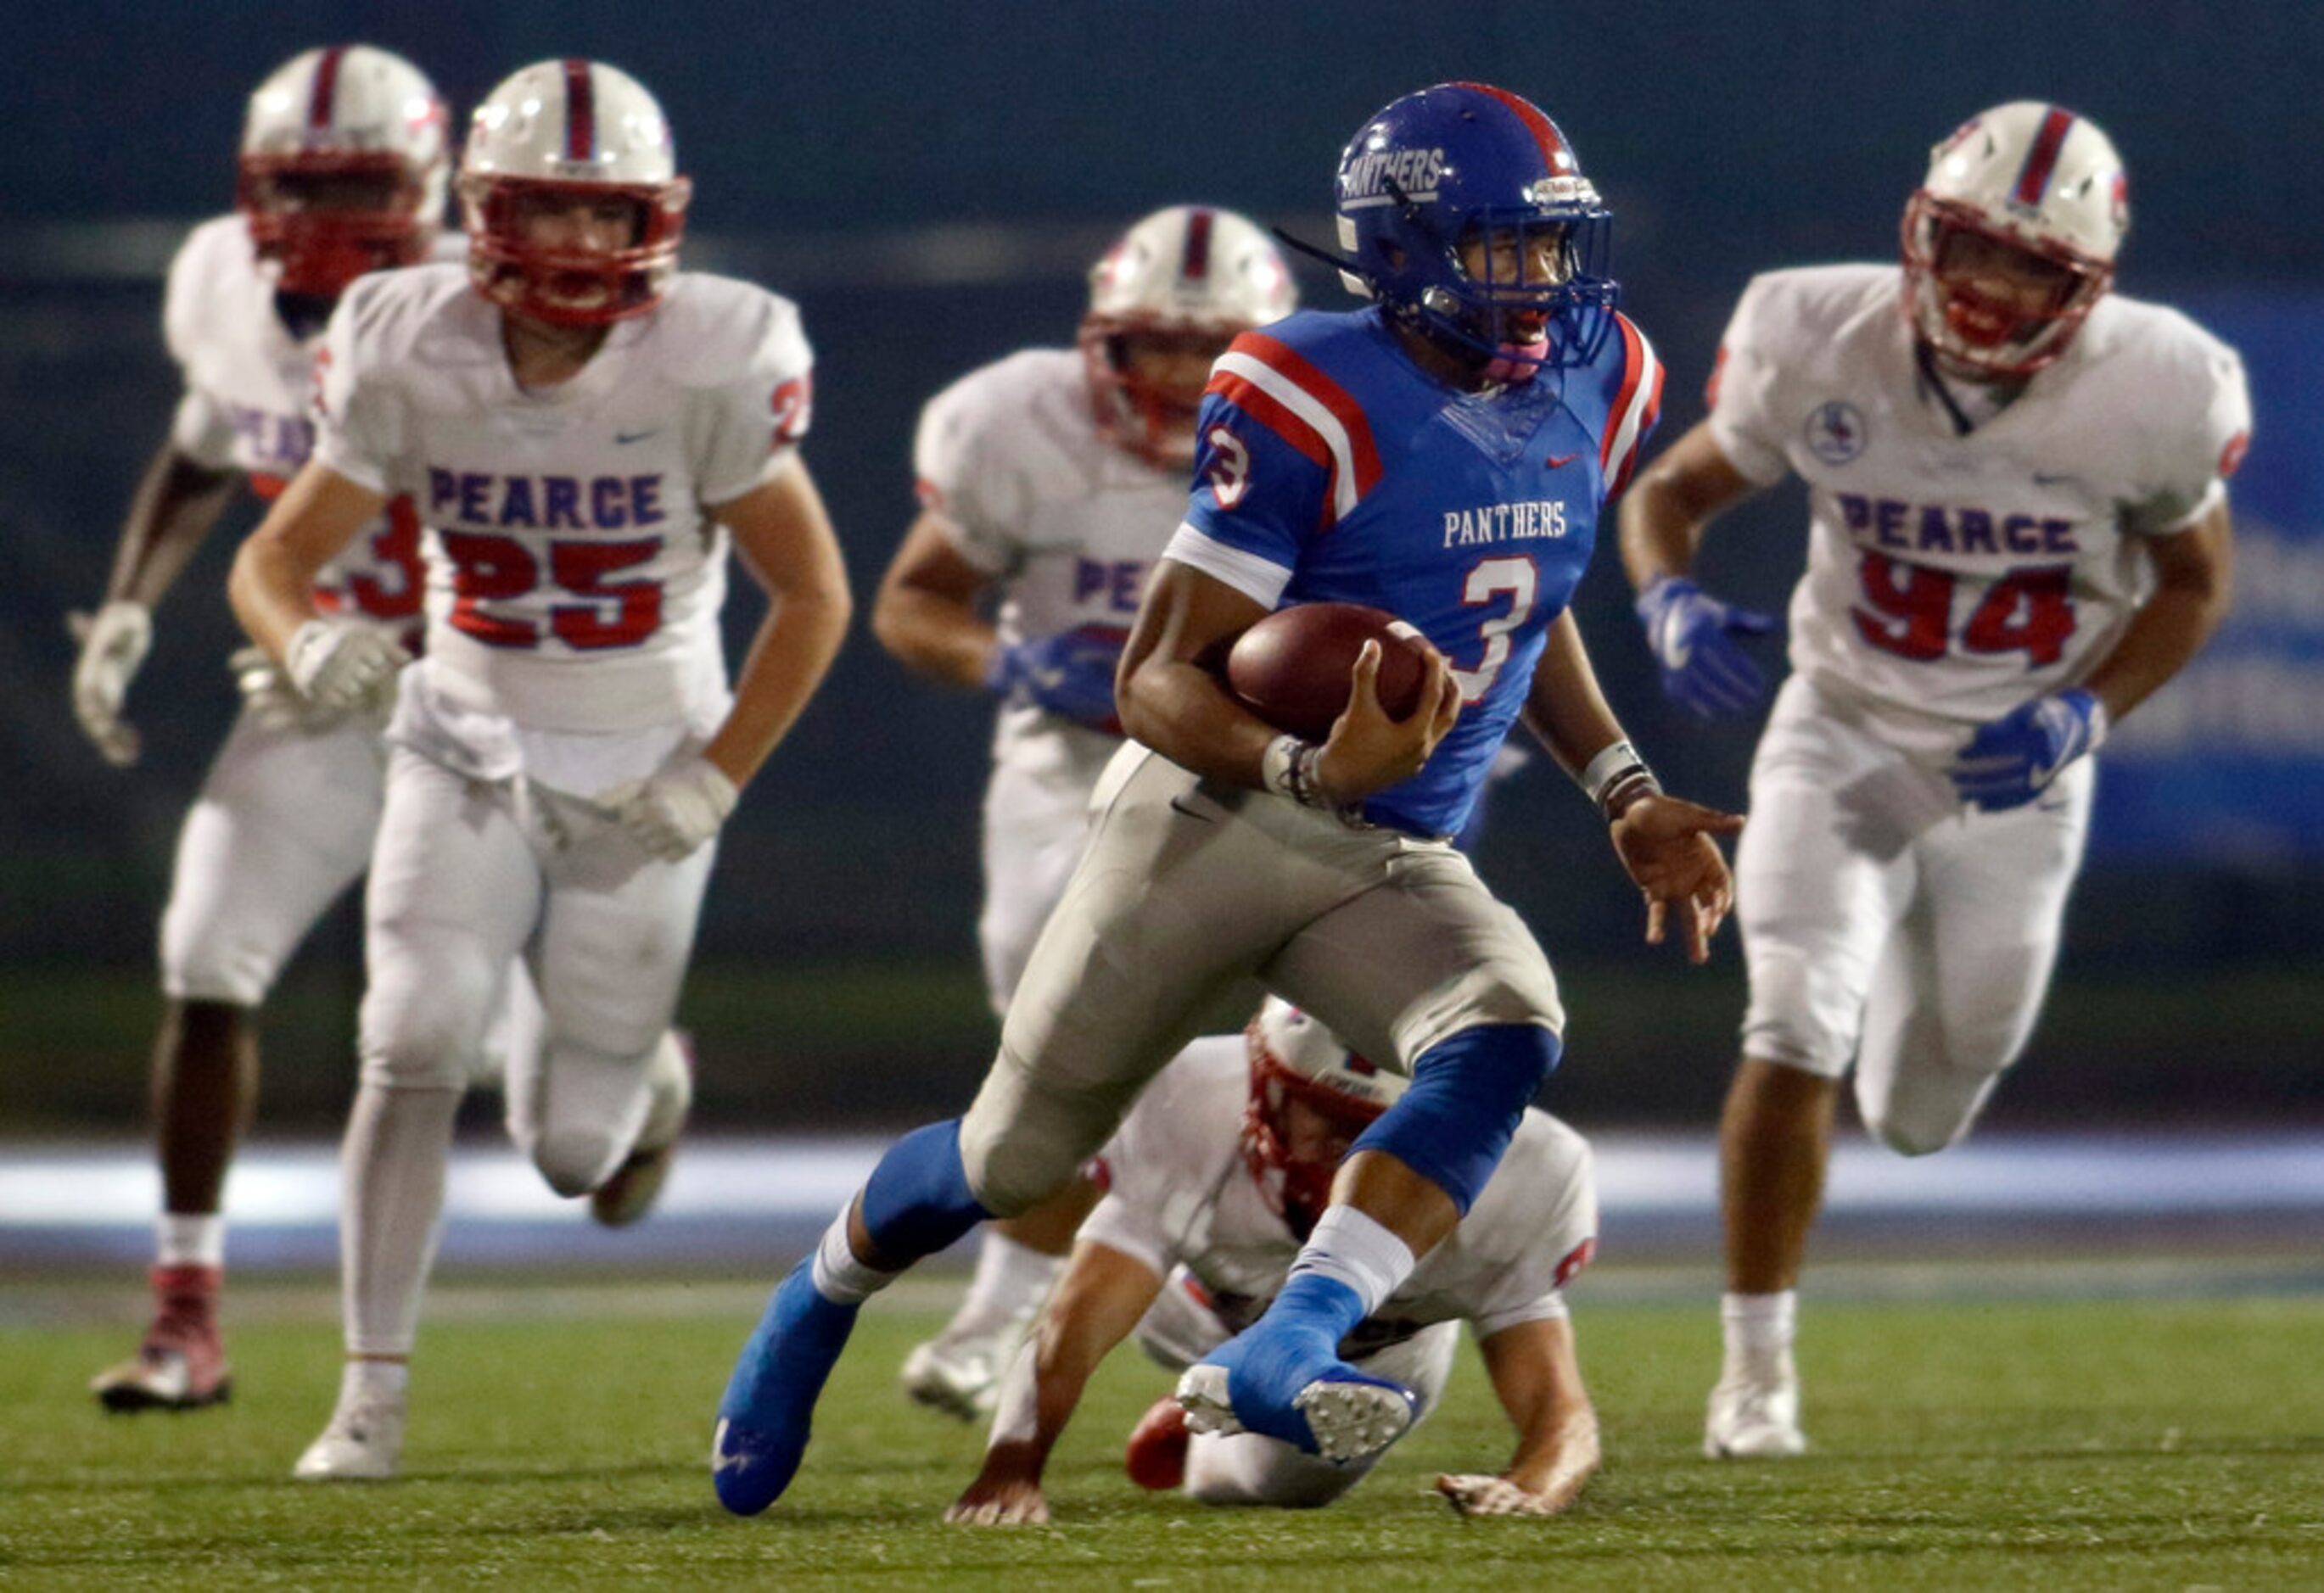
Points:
(343, 663)
(114, 642)
(1473, 1493)
(677, 810)
(273, 701)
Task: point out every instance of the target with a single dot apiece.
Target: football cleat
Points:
(631, 1188)
(960, 1374)
(1343, 1415)
(181, 1366)
(1156, 1458)
(1755, 1416)
(363, 1444)
(764, 1418)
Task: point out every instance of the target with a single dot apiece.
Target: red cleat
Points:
(181, 1366)
(1156, 1456)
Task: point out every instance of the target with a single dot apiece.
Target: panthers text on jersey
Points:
(574, 573)
(1066, 522)
(1952, 576)
(1332, 468)
(1179, 1193)
(248, 381)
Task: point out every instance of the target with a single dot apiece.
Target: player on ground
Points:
(2019, 530)
(1049, 484)
(1442, 455)
(342, 170)
(584, 428)
(1213, 1180)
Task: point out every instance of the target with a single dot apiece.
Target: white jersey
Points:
(1951, 577)
(248, 384)
(1066, 523)
(1178, 1192)
(574, 573)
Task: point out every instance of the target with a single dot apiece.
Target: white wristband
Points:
(1600, 774)
(1289, 769)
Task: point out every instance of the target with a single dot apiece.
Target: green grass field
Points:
(558, 1440)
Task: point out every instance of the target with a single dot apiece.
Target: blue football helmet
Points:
(1465, 164)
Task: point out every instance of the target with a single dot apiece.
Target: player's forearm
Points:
(934, 634)
(1557, 1456)
(788, 660)
(1181, 711)
(1537, 1378)
(2172, 626)
(1658, 534)
(271, 589)
(176, 504)
(1565, 709)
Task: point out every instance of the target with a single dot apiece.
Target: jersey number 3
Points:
(1909, 611)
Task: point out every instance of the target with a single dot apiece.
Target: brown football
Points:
(1291, 669)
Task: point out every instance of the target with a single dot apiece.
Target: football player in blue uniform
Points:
(1442, 455)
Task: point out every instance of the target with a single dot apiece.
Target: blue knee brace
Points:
(918, 1200)
(1467, 1095)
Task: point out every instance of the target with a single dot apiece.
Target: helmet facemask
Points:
(1952, 251)
(568, 284)
(1309, 1099)
(321, 219)
(1150, 417)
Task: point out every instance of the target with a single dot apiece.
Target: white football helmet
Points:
(344, 165)
(1187, 280)
(1292, 1055)
(2035, 177)
(558, 134)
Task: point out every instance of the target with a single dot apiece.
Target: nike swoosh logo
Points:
(2049, 478)
(623, 438)
(1560, 461)
(720, 1460)
(1190, 813)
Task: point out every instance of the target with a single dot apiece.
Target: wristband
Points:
(1287, 767)
(1616, 772)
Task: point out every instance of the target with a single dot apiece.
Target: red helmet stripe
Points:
(1195, 261)
(1544, 131)
(326, 89)
(580, 113)
(2042, 160)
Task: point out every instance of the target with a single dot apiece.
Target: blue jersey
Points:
(1331, 468)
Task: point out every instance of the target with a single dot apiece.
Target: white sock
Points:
(189, 1239)
(839, 1277)
(1758, 1327)
(399, 1144)
(363, 1382)
(1357, 1250)
(1012, 1280)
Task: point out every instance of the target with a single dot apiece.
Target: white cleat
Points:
(629, 1191)
(961, 1375)
(1351, 1420)
(363, 1444)
(1755, 1417)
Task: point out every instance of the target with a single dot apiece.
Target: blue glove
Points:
(1692, 636)
(1070, 674)
(2008, 762)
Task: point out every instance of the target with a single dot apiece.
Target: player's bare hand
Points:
(1474, 1494)
(114, 642)
(1668, 847)
(1368, 751)
(1007, 1500)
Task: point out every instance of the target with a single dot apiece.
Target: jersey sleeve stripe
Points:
(1307, 400)
(1259, 579)
(1635, 406)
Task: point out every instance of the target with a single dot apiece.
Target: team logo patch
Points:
(1835, 432)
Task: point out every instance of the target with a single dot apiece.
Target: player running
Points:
(1048, 483)
(1442, 455)
(584, 428)
(1215, 1177)
(2019, 530)
(342, 170)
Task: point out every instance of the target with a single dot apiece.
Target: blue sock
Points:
(1467, 1095)
(917, 1200)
